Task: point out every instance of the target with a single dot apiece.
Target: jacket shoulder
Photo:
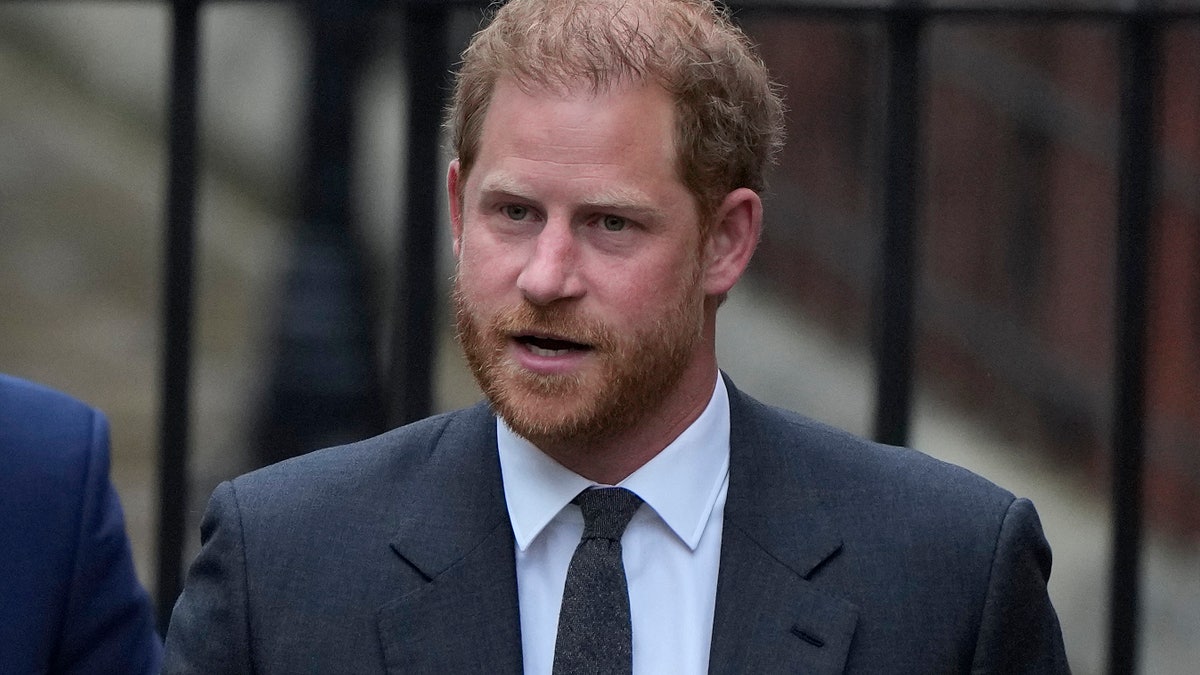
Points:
(933, 557)
(366, 473)
(409, 444)
(816, 454)
(54, 446)
(41, 427)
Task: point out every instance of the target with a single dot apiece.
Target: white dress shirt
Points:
(671, 548)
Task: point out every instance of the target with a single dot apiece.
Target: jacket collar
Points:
(455, 533)
(771, 614)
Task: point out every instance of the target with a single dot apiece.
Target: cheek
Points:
(484, 267)
(643, 292)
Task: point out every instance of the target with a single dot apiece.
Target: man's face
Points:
(578, 293)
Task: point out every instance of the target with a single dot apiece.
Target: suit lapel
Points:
(770, 615)
(461, 615)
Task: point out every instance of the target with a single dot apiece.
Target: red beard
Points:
(629, 377)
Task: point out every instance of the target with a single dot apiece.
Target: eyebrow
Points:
(621, 199)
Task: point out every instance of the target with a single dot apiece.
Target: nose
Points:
(551, 273)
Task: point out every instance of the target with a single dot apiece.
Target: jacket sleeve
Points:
(1019, 631)
(210, 627)
(109, 620)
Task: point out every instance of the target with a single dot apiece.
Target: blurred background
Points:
(301, 194)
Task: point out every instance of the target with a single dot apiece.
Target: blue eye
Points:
(515, 211)
(613, 223)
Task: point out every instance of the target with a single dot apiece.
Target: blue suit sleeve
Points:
(1019, 632)
(209, 631)
(109, 620)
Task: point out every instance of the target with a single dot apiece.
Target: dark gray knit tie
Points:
(594, 635)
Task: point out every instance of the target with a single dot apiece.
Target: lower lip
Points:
(566, 361)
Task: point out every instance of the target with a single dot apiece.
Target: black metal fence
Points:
(427, 49)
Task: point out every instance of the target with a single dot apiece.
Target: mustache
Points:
(553, 321)
(558, 321)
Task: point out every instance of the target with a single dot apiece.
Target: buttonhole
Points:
(807, 637)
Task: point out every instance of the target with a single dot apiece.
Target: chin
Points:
(556, 417)
(537, 416)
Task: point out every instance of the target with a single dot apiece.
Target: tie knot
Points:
(606, 511)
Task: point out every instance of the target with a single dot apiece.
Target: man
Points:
(603, 201)
(70, 601)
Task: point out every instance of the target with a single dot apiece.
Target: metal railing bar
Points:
(894, 302)
(414, 346)
(324, 383)
(177, 307)
(1139, 55)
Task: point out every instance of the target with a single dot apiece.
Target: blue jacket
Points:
(70, 601)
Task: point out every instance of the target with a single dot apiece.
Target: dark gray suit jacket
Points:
(396, 555)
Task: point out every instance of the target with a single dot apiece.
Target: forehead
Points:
(626, 130)
(623, 118)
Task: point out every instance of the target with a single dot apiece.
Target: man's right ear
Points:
(453, 192)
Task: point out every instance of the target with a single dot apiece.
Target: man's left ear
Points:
(732, 240)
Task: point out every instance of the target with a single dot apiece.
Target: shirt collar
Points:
(681, 483)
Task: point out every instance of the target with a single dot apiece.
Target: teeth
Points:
(539, 351)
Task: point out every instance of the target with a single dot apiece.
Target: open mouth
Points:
(549, 346)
